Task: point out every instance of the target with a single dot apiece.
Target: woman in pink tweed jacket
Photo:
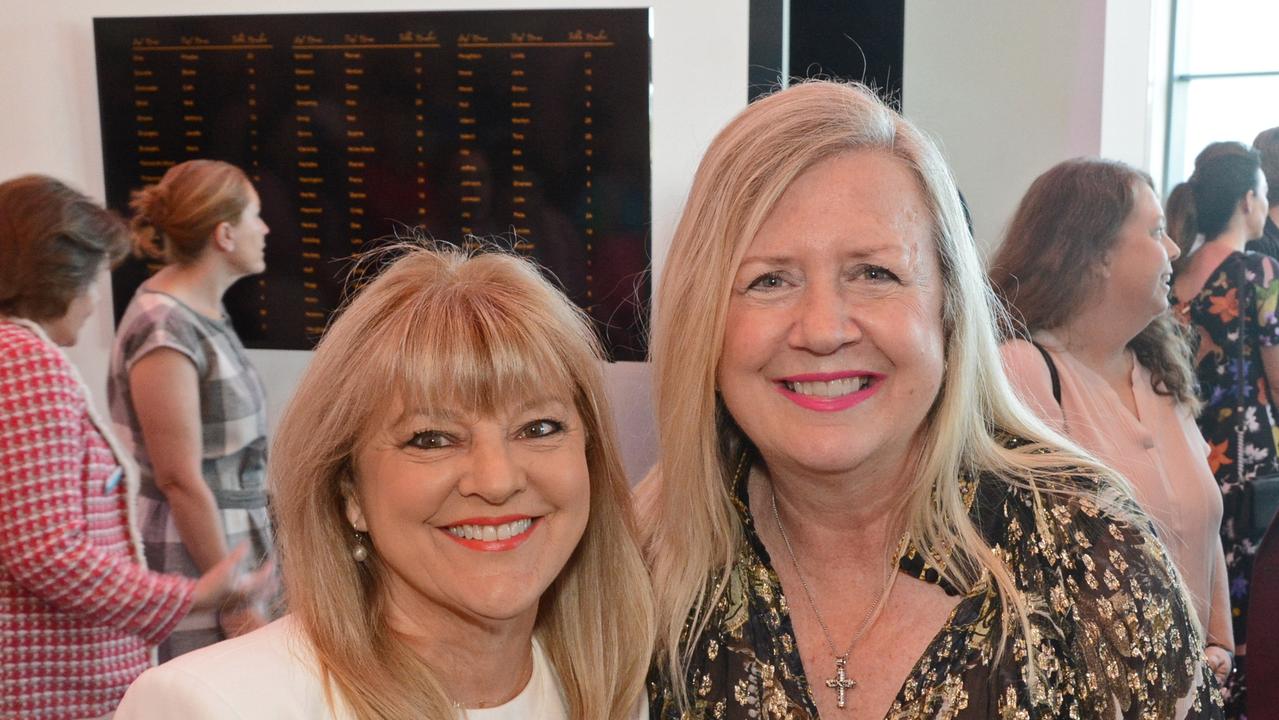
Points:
(78, 608)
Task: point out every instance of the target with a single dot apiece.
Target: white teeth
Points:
(491, 533)
(833, 388)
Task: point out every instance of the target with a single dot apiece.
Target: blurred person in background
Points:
(183, 392)
(79, 611)
(1228, 296)
(1267, 143)
(1084, 270)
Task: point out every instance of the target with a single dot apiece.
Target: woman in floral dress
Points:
(1213, 216)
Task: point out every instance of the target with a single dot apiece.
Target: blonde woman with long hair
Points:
(454, 519)
(852, 515)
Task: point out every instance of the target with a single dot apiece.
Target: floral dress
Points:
(1113, 640)
(1214, 313)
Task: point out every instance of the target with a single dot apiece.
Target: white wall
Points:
(1011, 88)
(1135, 84)
(1008, 87)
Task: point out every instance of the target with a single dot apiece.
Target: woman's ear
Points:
(222, 237)
(1249, 199)
(351, 504)
(1103, 266)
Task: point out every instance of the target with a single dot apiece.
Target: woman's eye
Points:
(875, 272)
(431, 440)
(541, 428)
(767, 281)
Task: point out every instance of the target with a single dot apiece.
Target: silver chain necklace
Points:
(841, 683)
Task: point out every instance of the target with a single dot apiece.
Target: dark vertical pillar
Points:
(845, 39)
(766, 46)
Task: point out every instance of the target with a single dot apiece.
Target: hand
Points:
(224, 586)
(1221, 661)
(240, 620)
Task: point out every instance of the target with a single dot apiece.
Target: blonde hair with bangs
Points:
(453, 329)
(694, 530)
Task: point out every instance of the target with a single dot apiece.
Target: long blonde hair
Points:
(467, 331)
(694, 530)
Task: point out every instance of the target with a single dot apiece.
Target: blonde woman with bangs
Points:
(454, 525)
(852, 515)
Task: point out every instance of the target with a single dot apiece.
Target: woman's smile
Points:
(493, 534)
(829, 392)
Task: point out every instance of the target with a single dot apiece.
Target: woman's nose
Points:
(824, 321)
(495, 474)
(1174, 251)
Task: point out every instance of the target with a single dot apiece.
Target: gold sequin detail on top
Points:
(1112, 638)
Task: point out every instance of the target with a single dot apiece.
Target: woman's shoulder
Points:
(29, 357)
(268, 673)
(23, 340)
(155, 319)
(1259, 262)
(1240, 268)
(1058, 524)
(1106, 595)
(150, 309)
(1038, 504)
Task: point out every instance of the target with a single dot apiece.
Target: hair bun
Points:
(153, 203)
(150, 207)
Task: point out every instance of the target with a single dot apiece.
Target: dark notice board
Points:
(528, 126)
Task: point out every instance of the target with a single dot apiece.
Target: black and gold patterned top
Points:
(1115, 640)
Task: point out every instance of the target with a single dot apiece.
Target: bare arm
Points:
(1220, 629)
(1220, 632)
(1270, 364)
(166, 396)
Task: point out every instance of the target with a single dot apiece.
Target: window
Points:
(1224, 83)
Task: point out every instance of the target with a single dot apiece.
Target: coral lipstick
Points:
(492, 534)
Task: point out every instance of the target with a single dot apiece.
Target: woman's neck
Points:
(481, 663)
(1235, 236)
(1099, 340)
(830, 519)
(197, 285)
(1190, 281)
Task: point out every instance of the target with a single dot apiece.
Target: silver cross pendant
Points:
(841, 683)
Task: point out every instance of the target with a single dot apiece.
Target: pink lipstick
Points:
(829, 392)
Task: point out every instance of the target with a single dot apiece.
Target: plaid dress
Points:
(233, 425)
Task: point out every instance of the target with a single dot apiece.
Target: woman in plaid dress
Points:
(183, 391)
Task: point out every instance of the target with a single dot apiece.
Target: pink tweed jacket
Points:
(78, 608)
